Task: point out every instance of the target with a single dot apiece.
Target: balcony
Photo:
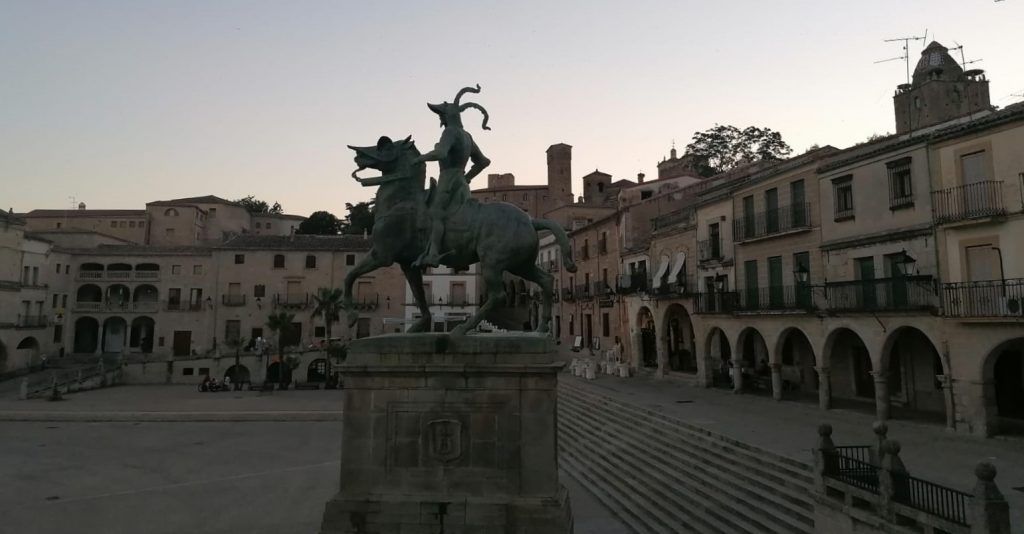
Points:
(717, 302)
(146, 275)
(680, 287)
(632, 283)
(767, 223)
(775, 299)
(971, 201)
(551, 266)
(683, 217)
(31, 321)
(990, 298)
(583, 292)
(710, 249)
(292, 301)
(366, 302)
(567, 294)
(232, 300)
(903, 293)
(90, 275)
(118, 275)
(602, 289)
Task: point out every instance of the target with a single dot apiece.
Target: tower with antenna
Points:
(939, 90)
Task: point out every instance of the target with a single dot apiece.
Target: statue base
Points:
(449, 434)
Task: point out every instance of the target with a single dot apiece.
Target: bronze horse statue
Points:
(499, 236)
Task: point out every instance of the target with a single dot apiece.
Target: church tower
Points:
(939, 91)
(560, 173)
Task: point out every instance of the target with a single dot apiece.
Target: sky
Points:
(116, 103)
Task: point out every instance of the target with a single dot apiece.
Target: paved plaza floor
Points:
(69, 476)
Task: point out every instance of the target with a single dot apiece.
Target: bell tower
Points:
(560, 173)
(939, 91)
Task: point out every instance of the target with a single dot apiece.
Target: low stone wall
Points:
(192, 370)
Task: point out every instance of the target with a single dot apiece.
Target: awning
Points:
(662, 269)
(677, 267)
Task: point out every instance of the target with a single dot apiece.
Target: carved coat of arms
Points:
(444, 439)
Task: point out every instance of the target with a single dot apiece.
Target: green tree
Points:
(320, 223)
(359, 219)
(328, 305)
(236, 343)
(281, 324)
(256, 206)
(725, 147)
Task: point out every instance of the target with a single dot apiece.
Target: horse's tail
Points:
(563, 241)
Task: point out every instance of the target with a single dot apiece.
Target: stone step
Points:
(646, 513)
(794, 496)
(697, 509)
(757, 457)
(624, 513)
(716, 491)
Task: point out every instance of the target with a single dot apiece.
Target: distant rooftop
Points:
(85, 213)
(207, 199)
(298, 242)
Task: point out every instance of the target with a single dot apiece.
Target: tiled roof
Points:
(207, 199)
(297, 242)
(509, 188)
(140, 250)
(11, 218)
(280, 216)
(72, 213)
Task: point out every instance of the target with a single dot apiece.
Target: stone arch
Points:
(145, 293)
(90, 270)
(89, 293)
(1003, 376)
(239, 374)
(647, 340)
(115, 333)
(28, 351)
(913, 366)
(317, 370)
(274, 373)
(87, 335)
(850, 365)
(170, 212)
(118, 295)
(752, 350)
(678, 337)
(141, 336)
(795, 354)
(718, 352)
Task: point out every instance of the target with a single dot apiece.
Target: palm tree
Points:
(328, 305)
(237, 344)
(281, 324)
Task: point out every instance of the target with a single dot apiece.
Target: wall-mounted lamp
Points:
(801, 274)
(259, 303)
(907, 263)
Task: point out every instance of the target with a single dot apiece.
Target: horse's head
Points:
(396, 160)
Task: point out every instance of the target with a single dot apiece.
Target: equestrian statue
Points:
(419, 228)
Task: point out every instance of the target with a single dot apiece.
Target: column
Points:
(636, 360)
(776, 381)
(947, 394)
(660, 348)
(737, 375)
(881, 394)
(824, 388)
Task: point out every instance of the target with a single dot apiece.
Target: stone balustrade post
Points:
(893, 485)
(881, 431)
(824, 388)
(776, 381)
(881, 394)
(823, 456)
(989, 511)
(737, 375)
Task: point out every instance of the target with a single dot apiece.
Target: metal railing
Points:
(932, 498)
(717, 302)
(31, 321)
(291, 301)
(567, 294)
(183, 306)
(551, 266)
(685, 217)
(709, 249)
(602, 289)
(980, 199)
(583, 291)
(628, 284)
(989, 298)
(678, 287)
(367, 302)
(775, 298)
(233, 300)
(899, 293)
(853, 471)
(771, 222)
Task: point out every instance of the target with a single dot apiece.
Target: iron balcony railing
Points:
(628, 284)
(583, 291)
(709, 249)
(775, 298)
(367, 302)
(602, 289)
(602, 246)
(552, 266)
(856, 472)
(31, 321)
(291, 301)
(233, 300)
(567, 294)
(980, 199)
(716, 302)
(932, 498)
(770, 222)
(678, 287)
(990, 298)
(901, 293)
(684, 217)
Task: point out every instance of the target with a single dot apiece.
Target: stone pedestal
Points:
(453, 435)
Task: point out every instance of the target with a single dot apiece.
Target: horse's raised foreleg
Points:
(415, 277)
(495, 295)
(371, 262)
(535, 274)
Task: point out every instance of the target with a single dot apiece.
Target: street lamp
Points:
(907, 263)
(801, 274)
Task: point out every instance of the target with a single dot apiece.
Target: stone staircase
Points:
(659, 474)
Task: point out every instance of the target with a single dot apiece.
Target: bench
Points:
(307, 385)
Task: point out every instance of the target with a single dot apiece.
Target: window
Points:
(257, 225)
(644, 195)
(55, 298)
(350, 259)
(901, 192)
(197, 269)
(58, 333)
(256, 333)
(266, 226)
(175, 269)
(64, 301)
(504, 197)
(67, 269)
(142, 224)
(123, 224)
(232, 331)
(204, 371)
(311, 262)
(239, 259)
(748, 216)
(171, 212)
(212, 212)
(750, 284)
(606, 327)
(319, 331)
(279, 261)
(58, 268)
(169, 232)
(524, 196)
(113, 224)
(188, 371)
(131, 224)
(842, 189)
(35, 276)
(572, 325)
(259, 291)
(798, 200)
(59, 225)
(972, 168)
(173, 297)
(771, 210)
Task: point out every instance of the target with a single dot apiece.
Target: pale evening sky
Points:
(119, 103)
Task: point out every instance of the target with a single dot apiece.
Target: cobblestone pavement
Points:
(790, 428)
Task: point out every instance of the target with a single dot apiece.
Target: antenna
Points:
(906, 50)
(963, 63)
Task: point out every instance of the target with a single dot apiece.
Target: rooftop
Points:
(207, 199)
(72, 213)
(297, 242)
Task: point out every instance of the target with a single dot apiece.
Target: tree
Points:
(320, 223)
(237, 343)
(328, 305)
(256, 206)
(725, 147)
(359, 219)
(281, 324)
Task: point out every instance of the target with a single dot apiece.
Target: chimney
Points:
(640, 178)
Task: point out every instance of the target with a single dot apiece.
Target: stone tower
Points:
(560, 172)
(940, 91)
